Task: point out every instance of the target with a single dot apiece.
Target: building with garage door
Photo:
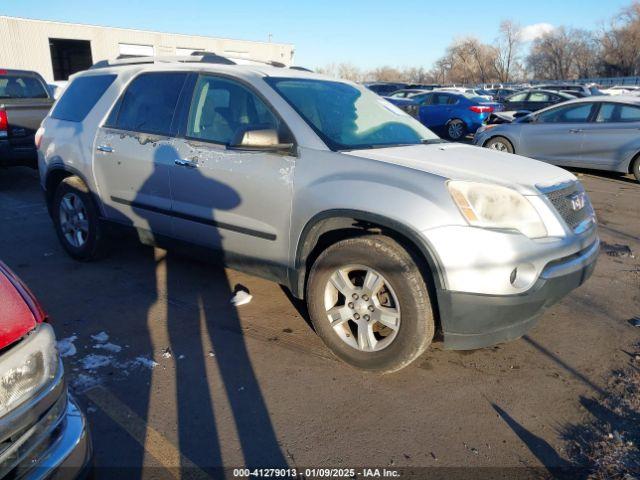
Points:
(57, 49)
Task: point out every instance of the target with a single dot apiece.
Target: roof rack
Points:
(195, 57)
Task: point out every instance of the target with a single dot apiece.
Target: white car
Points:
(622, 90)
(385, 230)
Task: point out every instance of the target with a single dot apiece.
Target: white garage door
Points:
(137, 50)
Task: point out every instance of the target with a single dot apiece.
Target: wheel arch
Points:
(55, 175)
(329, 227)
(633, 160)
(484, 144)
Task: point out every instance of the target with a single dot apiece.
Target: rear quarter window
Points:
(80, 97)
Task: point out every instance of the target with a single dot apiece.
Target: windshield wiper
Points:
(431, 141)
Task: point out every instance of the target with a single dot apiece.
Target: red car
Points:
(42, 429)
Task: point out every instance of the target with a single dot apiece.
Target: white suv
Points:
(386, 231)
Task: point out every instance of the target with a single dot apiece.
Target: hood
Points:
(16, 316)
(455, 161)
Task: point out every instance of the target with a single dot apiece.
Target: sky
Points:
(367, 34)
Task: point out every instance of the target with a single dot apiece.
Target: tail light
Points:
(39, 135)
(481, 109)
(4, 124)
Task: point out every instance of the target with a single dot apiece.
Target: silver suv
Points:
(388, 233)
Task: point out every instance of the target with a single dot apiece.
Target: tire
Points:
(401, 290)
(635, 168)
(74, 210)
(500, 144)
(456, 129)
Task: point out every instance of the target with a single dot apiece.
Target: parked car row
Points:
(595, 132)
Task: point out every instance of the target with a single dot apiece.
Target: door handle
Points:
(576, 130)
(186, 163)
(104, 148)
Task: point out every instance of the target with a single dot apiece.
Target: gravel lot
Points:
(171, 374)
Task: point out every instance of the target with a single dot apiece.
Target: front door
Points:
(134, 153)
(556, 135)
(234, 200)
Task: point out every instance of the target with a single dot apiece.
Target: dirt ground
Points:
(170, 374)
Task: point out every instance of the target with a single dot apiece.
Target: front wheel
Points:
(500, 144)
(635, 168)
(76, 220)
(456, 129)
(369, 303)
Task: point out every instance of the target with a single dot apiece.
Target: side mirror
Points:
(260, 139)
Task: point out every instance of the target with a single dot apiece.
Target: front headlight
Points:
(493, 206)
(27, 367)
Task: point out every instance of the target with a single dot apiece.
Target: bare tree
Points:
(586, 53)
(508, 46)
(621, 43)
(551, 55)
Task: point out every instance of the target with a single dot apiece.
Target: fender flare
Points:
(71, 171)
(345, 218)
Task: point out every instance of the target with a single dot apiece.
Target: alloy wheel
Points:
(455, 130)
(362, 308)
(74, 221)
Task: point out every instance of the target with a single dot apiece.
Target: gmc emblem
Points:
(578, 201)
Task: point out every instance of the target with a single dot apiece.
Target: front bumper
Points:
(69, 455)
(473, 321)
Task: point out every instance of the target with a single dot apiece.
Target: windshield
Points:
(13, 86)
(349, 118)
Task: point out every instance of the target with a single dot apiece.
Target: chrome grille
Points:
(564, 201)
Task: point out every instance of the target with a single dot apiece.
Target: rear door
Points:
(135, 151)
(557, 134)
(613, 138)
(235, 200)
(436, 110)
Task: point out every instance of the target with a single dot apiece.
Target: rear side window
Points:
(441, 99)
(149, 103)
(81, 96)
(21, 86)
(539, 97)
(520, 97)
(618, 113)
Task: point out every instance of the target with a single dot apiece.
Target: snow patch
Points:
(101, 337)
(146, 362)
(110, 347)
(94, 361)
(66, 346)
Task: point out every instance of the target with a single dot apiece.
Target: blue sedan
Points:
(449, 113)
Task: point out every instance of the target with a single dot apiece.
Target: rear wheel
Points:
(76, 220)
(635, 168)
(369, 303)
(456, 129)
(500, 144)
